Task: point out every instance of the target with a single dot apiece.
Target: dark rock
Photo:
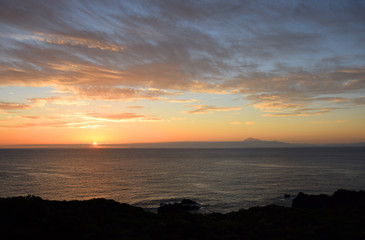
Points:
(311, 201)
(287, 195)
(185, 205)
(340, 199)
(347, 198)
(33, 218)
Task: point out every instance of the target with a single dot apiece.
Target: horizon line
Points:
(264, 144)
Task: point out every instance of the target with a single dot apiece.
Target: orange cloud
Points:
(302, 112)
(13, 106)
(182, 101)
(71, 40)
(206, 108)
(57, 100)
(144, 54)
(116, 93)
(135, 107)
(31, 117)
(56, 123)
(53, 121)
(122, 117)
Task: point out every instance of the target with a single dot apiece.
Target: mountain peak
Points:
(252, 140)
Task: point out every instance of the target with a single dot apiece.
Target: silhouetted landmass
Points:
(247, 143)
(340, 199)
(312, 217)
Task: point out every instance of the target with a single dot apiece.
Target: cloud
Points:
(31, 117)
(293, 52)
(182, 101)
(121, 117)
(9, 106)
(55, 121)
(271, 106)
(236, 123)
(40, 102)
(206, 108)
(64, 40)
(290, 88)
(79, 120)
(135, 107)
(249, 123)
(117, 94)
(359, 101)
(304, 112)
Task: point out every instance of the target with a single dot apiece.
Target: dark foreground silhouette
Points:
(340, 216)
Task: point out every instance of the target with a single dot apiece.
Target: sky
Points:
(162, 70)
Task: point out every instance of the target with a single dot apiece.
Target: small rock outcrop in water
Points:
(184, 206)
(340, 199)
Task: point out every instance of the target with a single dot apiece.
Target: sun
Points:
(95, 143)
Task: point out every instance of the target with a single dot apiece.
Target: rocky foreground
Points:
(340, 216)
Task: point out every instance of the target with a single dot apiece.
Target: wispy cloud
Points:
(55, 121)
(8, 106)
(121, 117)
(40, 102)
(71, 40)
(135, 107)
(31, 117)
(359, 101)
(206, 108)
(118, 94)
(78, 120)
(182, 101)
(281, 58)
(305, 112)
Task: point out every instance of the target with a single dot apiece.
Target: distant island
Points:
(247, 143)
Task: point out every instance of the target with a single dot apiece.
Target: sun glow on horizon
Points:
(178, 82)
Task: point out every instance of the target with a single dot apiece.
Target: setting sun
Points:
(95, 143)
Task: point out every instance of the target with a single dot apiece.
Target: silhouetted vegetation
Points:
(34, 218)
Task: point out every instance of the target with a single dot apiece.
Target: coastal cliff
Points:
(311, 217)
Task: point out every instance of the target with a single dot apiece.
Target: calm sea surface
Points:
(220, 179)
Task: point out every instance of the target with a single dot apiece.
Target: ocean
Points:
(221, 180)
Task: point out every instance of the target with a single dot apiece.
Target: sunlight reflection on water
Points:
(220, 179)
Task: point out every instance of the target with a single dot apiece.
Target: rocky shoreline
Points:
(340, 216)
